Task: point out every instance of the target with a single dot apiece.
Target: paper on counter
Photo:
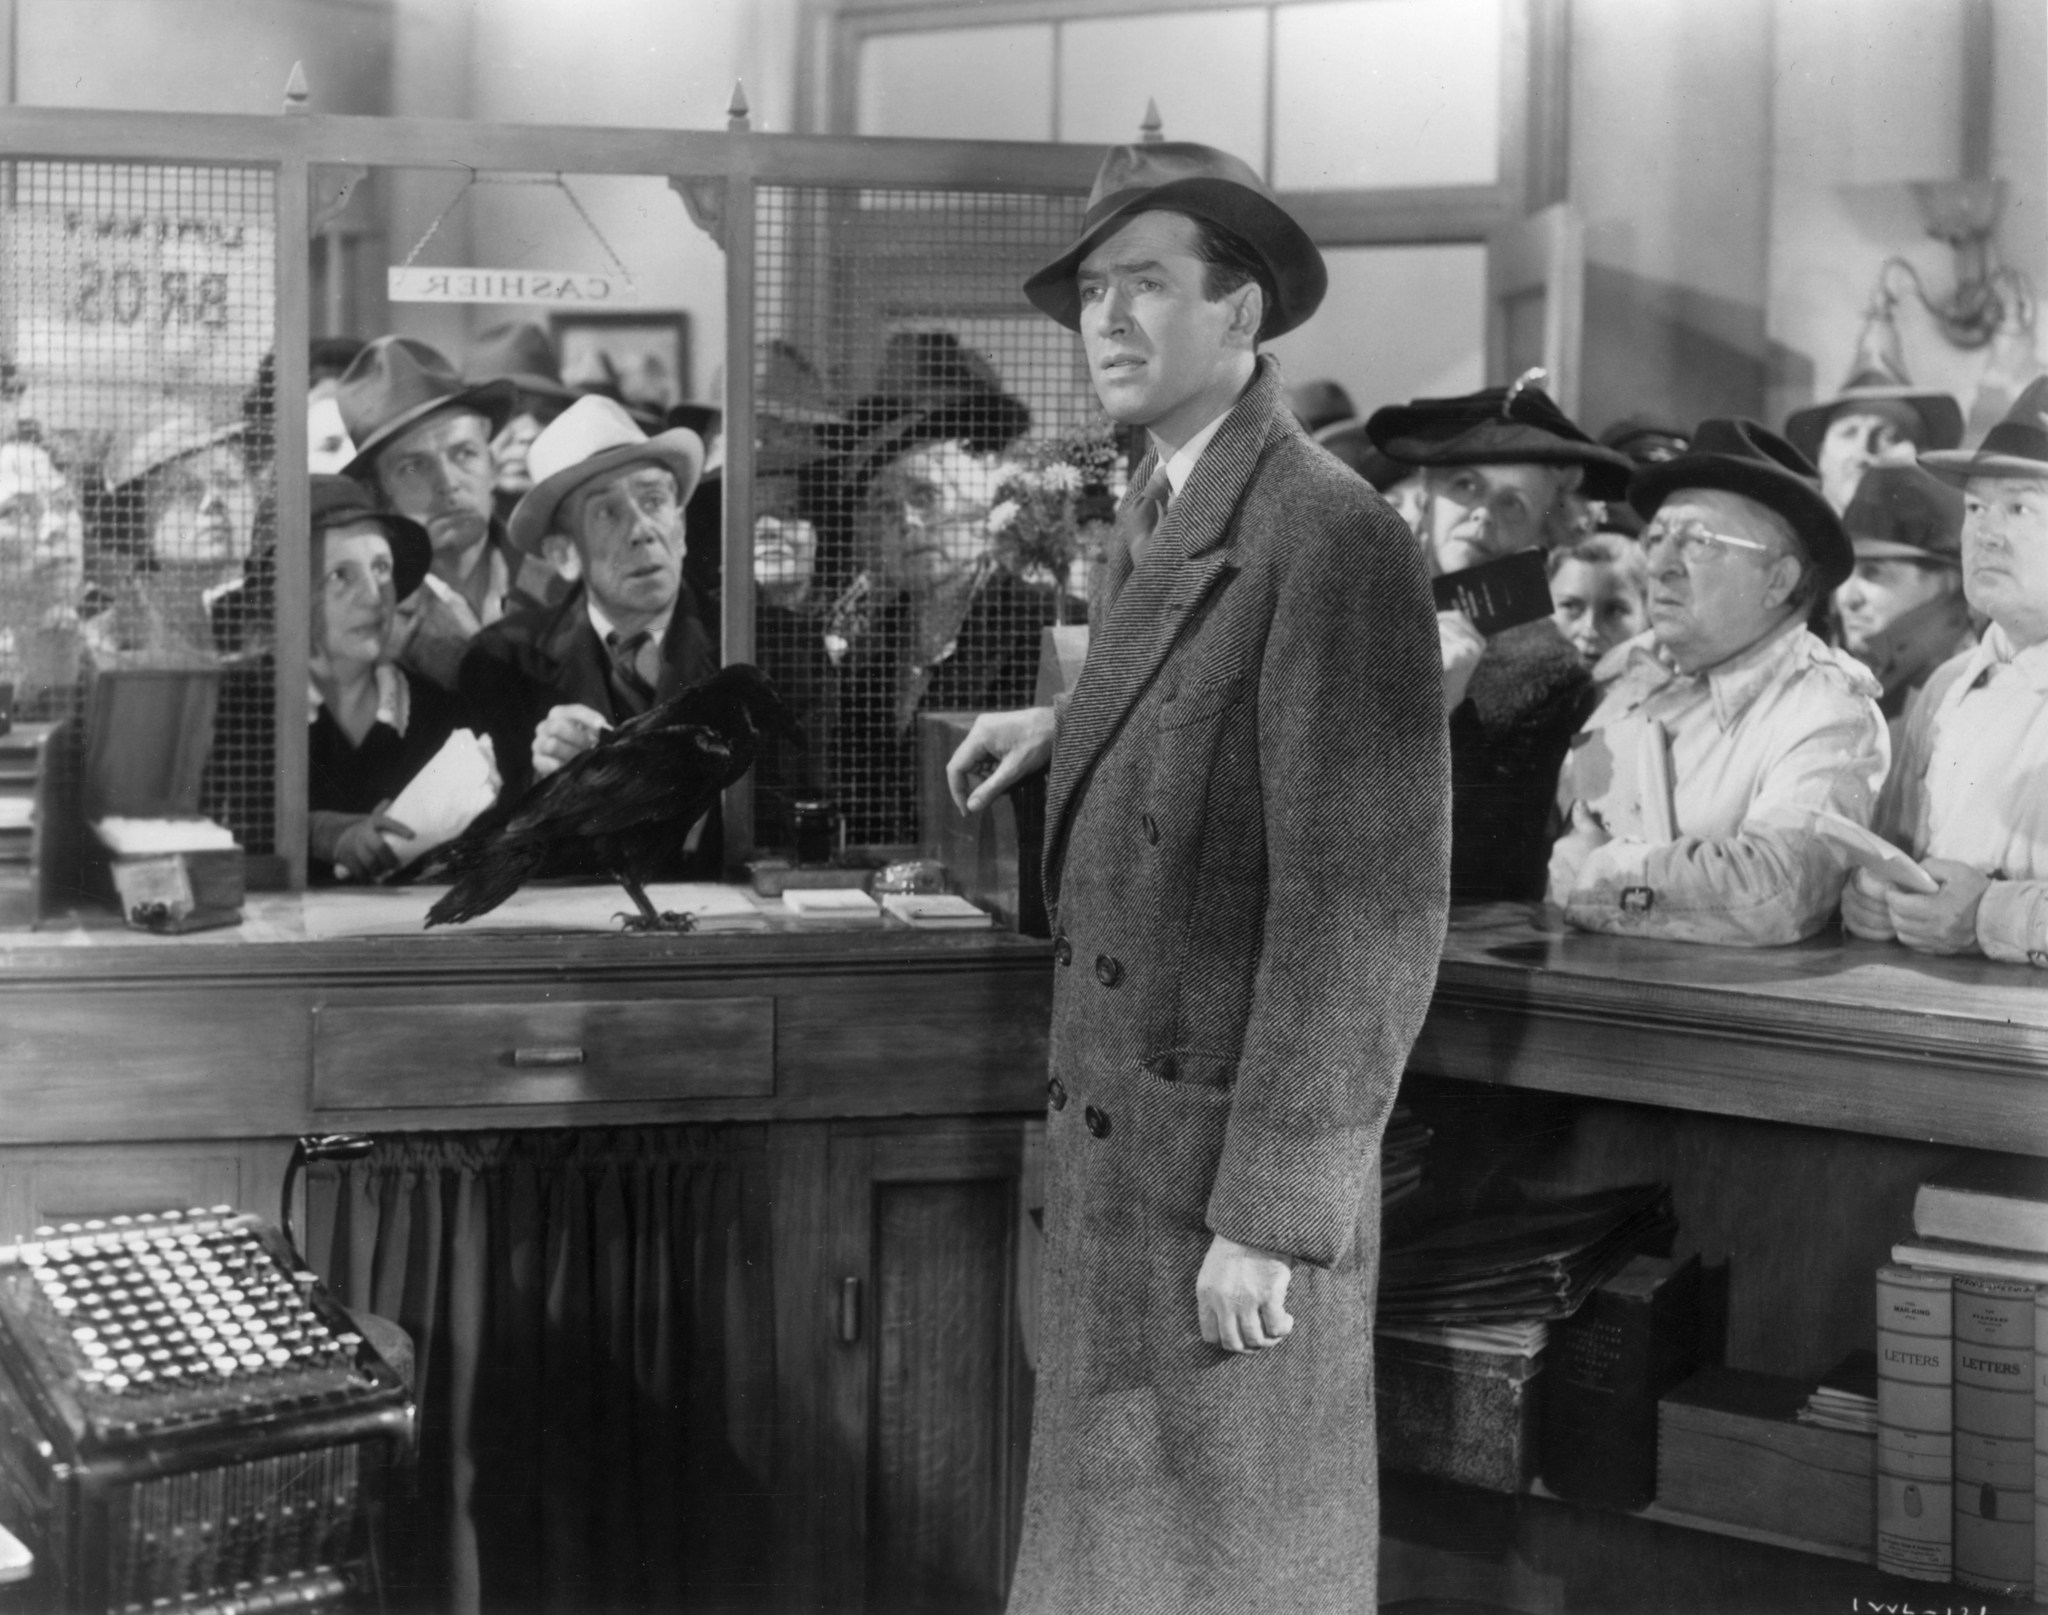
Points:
(402, 911)
(1868, 850)
(459, 782)
(148, 838)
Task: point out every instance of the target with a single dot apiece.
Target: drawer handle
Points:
(549, 1054)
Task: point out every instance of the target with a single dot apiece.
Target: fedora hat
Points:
(592, 436)
(1515, 425)
(337, 501)
(1746, 457)
(1905, 513)
(1348, 441)
(930, 389)
(397, 382)
(521, 353)
(178, 434)
(1178, 176)
(1877, 376)
(2016, 447)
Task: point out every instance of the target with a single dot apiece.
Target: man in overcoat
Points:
(1246, 851)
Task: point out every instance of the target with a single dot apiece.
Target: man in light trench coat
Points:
(1246, 847)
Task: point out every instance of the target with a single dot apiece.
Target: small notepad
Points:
(832, 906)
(942, 912)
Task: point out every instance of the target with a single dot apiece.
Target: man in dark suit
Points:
(1246, 853)
(607, 506)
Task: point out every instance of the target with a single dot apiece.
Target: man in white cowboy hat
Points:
(606, 507)
(422, 438)
(1246, 854)
(1965, 797)
(1721, 730)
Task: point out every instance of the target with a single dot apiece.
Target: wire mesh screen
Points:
(931, 465)
(137, 317)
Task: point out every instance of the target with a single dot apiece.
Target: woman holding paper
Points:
(373, 729)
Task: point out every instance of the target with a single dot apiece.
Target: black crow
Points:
(622, 806)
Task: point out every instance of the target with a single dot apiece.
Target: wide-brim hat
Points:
(1349, 442)
(1940, 416)
(1905, 513)
(396, 383)
(1516, 425)
(591, 437)
(1746, 457)
(523, 354)
(178, 434)
(2016, 447)
(1647, 439)
(337, 501)
(1178, 176)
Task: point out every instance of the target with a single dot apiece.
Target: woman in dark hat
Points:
(930, 622)
(373, 727)
(1504, 470)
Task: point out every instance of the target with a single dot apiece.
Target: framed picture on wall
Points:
(645, 357)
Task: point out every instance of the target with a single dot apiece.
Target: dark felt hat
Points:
(1178, 176)
(1646, 439)
(2016, 447)
(1940, 416)
(1748, 458)
(523, 354)
(930, 389)
(396, 383)
(337, 501)
(1517, 425)
(1348, 441)
(1905, 513)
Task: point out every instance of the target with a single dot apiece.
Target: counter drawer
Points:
(374, 1057)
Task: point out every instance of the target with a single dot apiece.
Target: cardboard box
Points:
(1460, 1415)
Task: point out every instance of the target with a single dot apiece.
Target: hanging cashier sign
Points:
(565, 288)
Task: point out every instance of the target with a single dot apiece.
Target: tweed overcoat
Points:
(1246, 845)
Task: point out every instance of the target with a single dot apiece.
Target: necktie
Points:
(625, 654)
(1141, 517)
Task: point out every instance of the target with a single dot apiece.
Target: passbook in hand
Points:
(1498, 595)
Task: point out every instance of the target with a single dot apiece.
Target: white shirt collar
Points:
(1996, 649)
(394, 699)
(1182, 461)
(657, 630)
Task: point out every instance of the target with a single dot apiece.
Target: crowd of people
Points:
(1760, 646)
(1752, 635)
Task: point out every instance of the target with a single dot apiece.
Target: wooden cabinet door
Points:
(908, 1310)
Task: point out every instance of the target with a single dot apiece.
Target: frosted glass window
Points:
(958, 83)
(1206, 69)
(1384, 94)
(1399, 323)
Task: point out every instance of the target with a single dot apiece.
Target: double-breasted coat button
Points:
(1097, 1120)
(1063, 950)
(1108, 971)
(1056, 1090)
(1151, 826)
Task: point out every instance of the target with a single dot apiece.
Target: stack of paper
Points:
(937, 913)
(1846, 1398)
(829, 906)
(1537, 1262)
(148, 838)
(1526, 1339)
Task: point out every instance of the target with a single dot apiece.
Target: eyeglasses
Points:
(1696, 541)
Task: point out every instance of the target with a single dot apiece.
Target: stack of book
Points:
(1401, 1155)
(1962, 1389)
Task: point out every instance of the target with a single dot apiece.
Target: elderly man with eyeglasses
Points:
(1691, 793)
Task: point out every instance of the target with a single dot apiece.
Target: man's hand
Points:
(1866, 910)
(1462, 646)
(1947, 921)
(567, 732)
(1568, 857)
(1241, 1296)
(354, 842)
(1018, 743)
